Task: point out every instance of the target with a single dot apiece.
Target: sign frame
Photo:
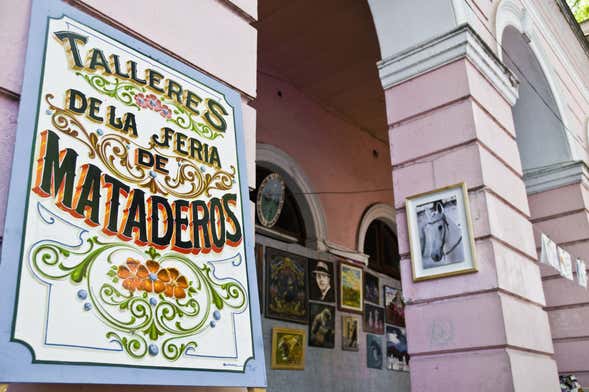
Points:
(17, 362)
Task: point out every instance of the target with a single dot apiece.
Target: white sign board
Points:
(129, 178)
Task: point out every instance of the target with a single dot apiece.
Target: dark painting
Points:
(374, 357)
(373, 319)
(397, 356)
(371, 290)
(286, 289)
(321, 325)
(394, 306)
(321, 281)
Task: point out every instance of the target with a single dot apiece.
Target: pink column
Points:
(485, 331)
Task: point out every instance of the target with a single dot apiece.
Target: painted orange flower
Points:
(133, 274)
(152, 283)
(175, 284)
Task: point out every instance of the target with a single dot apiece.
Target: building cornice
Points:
(546, 178)
(459, 43)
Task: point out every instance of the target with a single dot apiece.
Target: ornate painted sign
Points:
(128, 233)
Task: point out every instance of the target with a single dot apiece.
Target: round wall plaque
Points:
(270, 199)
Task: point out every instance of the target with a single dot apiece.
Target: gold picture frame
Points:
(440, 233)
(350, 288)
(288, 349)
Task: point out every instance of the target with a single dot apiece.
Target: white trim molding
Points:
(555, 176)
(456, 44)
(275, 159)
(347, 253)
(381, 211)
(528, 21)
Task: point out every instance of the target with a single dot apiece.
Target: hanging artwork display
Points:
(350, 329)
(127, 254)
(286, 286)
(548, 252)
(351, 288)
(321, 281)
(581, 273)
(371, 288)
(394, 306)
(565, 264)
(397, 355)
(440, 233)
(288, 349)
(374, 355)
(373, 319)
(321, 325)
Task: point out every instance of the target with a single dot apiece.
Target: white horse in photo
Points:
(440, 238)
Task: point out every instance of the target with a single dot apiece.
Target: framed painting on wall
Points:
(321, 281)
(394, 306)
(397, 356)
(286, 286)
(351, 288)
(440, 233)
(371, 288)
(288, 349)
(350, 325)
(373, 319)
(321, 325)
(374, 356)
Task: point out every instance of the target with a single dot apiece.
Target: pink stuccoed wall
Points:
(335, 155)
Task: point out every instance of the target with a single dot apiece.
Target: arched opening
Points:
(321, 125)
(377, 238)
(540, 131)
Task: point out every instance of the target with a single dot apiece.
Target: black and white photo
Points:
(322, 281)
(440, 233)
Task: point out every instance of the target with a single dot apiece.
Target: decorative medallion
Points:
(270, 199)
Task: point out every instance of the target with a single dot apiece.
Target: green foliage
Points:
(580, 9)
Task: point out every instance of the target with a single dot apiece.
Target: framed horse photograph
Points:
(440, 233)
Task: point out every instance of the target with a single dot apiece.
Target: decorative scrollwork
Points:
(126, 92)
(185, 120)
(186, 181)
(121, 91)
(166, 297)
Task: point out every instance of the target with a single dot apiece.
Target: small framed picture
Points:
(351, 288)
(350, 325)
(286, 286)
(371, 288)
(288, 349)
(321, 325)
(397, 355)
(374, 356)
(394, 307)
(373, 319)
(440, 233)
(321, 281)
